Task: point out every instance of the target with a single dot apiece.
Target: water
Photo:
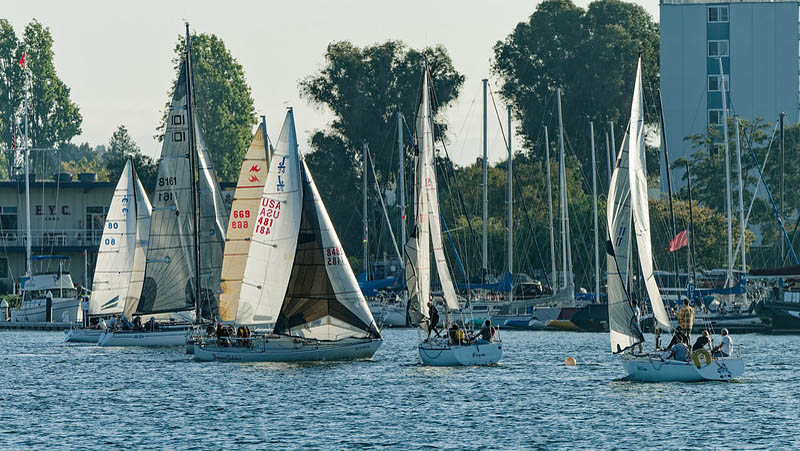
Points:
(78, 397)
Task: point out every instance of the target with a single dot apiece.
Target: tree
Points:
(364, 87)
(11, 88)
(224, 104)
(591, 55)
(53, 118)
(122, 147)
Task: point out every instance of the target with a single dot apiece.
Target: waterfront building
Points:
(758, 43)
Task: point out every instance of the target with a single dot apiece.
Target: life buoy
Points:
(697, 354)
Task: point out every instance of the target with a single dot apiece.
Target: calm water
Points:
(76, 396)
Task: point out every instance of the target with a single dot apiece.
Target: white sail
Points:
(115, 258)
(622, 329)
(143, 213)
(244, 212)
(431, 189)
(639, 202)
(323, 300)
(274, 240)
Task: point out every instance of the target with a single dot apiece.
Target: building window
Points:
(717, 13)
(717, 48)
(714, 117)
(4, 268)
(714, 83)
(8, 219)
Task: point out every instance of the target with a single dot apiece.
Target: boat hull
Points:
(780, 317)
(289, 349)
(442, 354)
(82, 335)
(653, 369)
(165, 337)
(64, 310)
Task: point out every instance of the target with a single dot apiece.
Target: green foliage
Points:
(224, 104)
(121, 147)
(591, 54)
(364, 87)
(11, 87)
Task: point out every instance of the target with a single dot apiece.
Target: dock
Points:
(53, 326)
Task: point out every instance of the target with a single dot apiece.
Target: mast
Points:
(401, 178)
(741, 201)
(28, 253)
(691, 223)
(365, 219)
(485, 202)
(594, 205)
(783, 245)
(563, 192)
(608, 159)
(550, 210)
(613, 145)
(194, 170)
(669, 186)
(727, 173)
(510, 210)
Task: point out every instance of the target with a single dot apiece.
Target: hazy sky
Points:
(116, 56)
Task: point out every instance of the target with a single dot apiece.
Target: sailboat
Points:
(427, 231)
(319, 311)
(120, 263)
(187, 231)
(628, 203)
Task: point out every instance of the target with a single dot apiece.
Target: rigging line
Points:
(519, 193)
(380, 196)
(769, 195)
(466, 216)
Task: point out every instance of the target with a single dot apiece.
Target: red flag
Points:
(680, 240)
(22, 61)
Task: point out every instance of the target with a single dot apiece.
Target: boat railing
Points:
(52, 237)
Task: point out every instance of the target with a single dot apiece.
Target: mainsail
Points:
(169, 275)
(323, 300)
(621, 324)
(116, 258)
(639, 202)
(244, 213)
(274, 236)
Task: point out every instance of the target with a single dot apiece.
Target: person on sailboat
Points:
(703, 341)
(486, 333)
(679, 337)
(434, 320)
(686, 317)
(724, 349)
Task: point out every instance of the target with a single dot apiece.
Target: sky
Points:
(116, 57)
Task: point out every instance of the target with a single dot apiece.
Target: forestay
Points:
(639, 202)
(244, 213)
(323, 300)
(624, 333)
(117, 252)
(274, 239)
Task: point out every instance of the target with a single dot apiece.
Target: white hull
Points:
(653, 369)
(175, 336)
(439, 353)
(64, 310)
(289, 349)
(82, 335)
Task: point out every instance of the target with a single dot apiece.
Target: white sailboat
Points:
(296, 275)
(438, 351)
(628, 203)
(119, 270)
(187, 231)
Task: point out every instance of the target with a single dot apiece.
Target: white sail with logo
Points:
(244, 212)
(323, 300)
(116, 257)
(639, 203)
(274, 237)
(143, 213)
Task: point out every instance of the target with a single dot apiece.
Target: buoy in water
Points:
(570, 362)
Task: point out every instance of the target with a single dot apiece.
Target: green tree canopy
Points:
(224, 103)
(121, 147)
(364, 87)
(590, 54)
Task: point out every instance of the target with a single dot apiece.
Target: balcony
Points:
(62, 239)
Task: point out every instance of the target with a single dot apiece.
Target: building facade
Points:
(757, 43)
(67, 218)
